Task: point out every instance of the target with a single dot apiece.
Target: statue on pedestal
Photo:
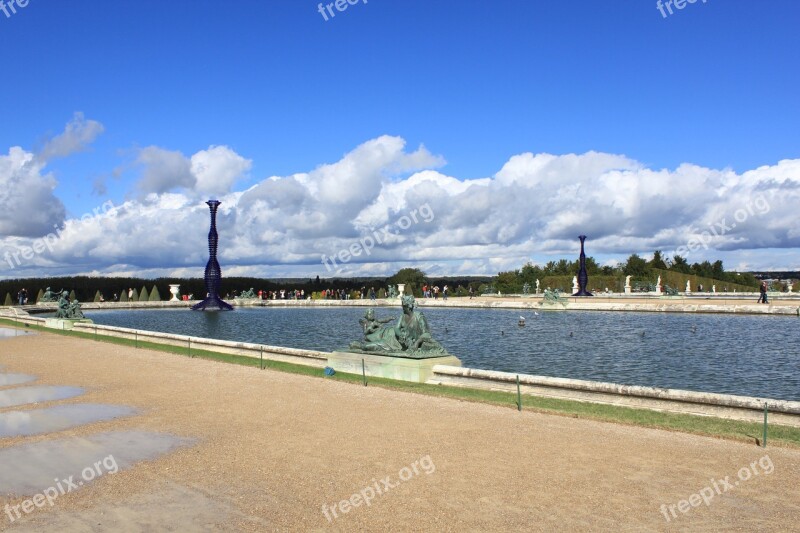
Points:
(410, 337)
(67, 309)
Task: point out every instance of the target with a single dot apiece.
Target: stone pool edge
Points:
(728, 406)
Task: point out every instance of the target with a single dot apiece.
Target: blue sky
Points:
(475, 83)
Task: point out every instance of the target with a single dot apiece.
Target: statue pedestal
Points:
(386, 366)
(64, 323)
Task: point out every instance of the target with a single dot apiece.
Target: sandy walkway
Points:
(273, 448)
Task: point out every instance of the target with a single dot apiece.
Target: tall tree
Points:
(636, 267)
(658, 261)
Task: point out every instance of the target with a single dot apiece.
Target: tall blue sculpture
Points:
(213, 273)
(583, 276)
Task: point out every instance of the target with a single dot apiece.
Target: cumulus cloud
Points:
(28, 207)
(211, 172)
(164, 170)
(78, 134)
(217, 169)
(533, 208)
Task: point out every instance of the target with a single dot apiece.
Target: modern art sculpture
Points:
(583, 276)
(213, 275)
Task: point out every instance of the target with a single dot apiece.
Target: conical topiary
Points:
(40, 296)
(155, 296)
(8, 301)
(143, 296)
(135, 297)
(72, 295)
(123, 296)
(97, 297)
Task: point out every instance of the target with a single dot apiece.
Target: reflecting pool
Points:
(737, 354)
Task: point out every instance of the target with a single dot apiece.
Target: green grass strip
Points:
(699, 425)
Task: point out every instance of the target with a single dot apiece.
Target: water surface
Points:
(33, 468)
(37, 393)
(58, 418)
(748, 355)
(15, 379)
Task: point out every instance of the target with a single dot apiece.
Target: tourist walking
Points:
(444, 292)
(763, 297)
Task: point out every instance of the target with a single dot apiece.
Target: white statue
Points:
(688, 286)
(789, 286)
(714, 289)
(658, 285)
(575, 287)
(627, 284)
(537, 286)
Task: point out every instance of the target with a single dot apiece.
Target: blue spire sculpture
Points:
(213, 273)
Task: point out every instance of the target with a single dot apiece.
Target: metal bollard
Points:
(764, 444)
(519, 396)
(364, 372)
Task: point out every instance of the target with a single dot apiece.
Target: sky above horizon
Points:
(462, 138)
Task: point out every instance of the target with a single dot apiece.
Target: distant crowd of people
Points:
(433, 292)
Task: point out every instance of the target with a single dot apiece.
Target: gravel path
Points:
(271, 449)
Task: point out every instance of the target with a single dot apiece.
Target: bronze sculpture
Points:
(410, 337)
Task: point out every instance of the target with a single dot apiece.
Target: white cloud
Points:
(28, 207)
(164, 170)
(217, 170)
(77, 135)
(535, 206)
(208, 173)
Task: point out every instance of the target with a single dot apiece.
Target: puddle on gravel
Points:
(57, 418)
(10, 332)
(15, 379)
(37, 393)
(33, 468)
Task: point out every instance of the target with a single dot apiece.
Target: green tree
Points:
(135, 296)
(40, 295)
(154, 295)
(123, 296)
(636, 267)
(97, 296)
(413, 278)
(143, 296)
(658, 261)
(8, 302)
(530, 273)
(717, 271)
(508, 282)
(679, 264)
(72, 296)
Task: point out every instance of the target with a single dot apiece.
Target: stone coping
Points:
(654, 398)
(787, 305)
